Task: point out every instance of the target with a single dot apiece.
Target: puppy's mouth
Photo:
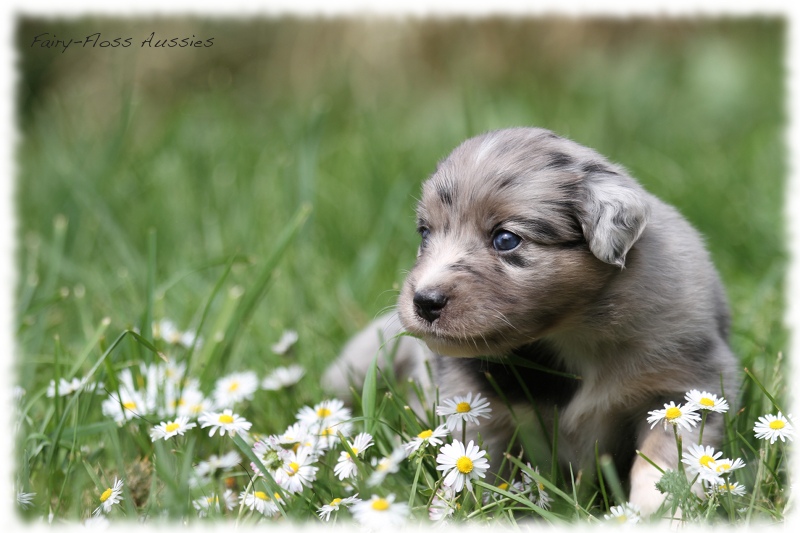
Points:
(437, 326)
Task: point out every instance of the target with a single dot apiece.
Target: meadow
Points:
(179, 210)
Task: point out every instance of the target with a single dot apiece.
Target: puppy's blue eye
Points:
(504, 241)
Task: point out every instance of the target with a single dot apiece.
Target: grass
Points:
(261, 185)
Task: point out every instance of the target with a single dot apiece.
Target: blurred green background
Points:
(208, 152)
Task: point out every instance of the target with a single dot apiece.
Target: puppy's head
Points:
(520, 230)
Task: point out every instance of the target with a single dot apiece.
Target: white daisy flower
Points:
(327, 437)
(214, 463)
(167, 330)
(297, 470)
(282, 377)
(707, 401)
(515, 486)
(286, 341)
(125, 406)
(461, 464)
(192, 403)
(627, 513)
(225, 421)
(442, 505)
(65, 388)
(387, 465)
(464, 408)
(234, 388)
(700, 460)
(259, 501)
(538, 495)
(205, 503)
(326, 510)
(324, 414)
(346, 466)
(25, 499)
(110, 497)
(685, 416)
(737, 489)
(774, 427)
(429, 437)
(165, 430)
(380, 513)
(726, 466)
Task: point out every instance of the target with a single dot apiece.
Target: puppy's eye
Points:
(504, 241)
(424, 233)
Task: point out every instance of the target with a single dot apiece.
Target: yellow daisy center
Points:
(673, 413)
(261, 495)
(777, 424)
(322, 412)
(355, 450)
(464, 464)
(106, 495)
(295, 447)
(706, 459)
(327, 432)
(172, 427)
(706, 402)
(294, 468)
(129, 405)
(380, 504)
(463, 407)
(336, 501)
(723, 467)
(233, 386)
(425, 434)
(503, 486)
(225, 419)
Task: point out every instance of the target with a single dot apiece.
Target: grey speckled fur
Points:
(608, 283)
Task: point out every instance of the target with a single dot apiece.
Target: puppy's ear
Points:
(613, 215)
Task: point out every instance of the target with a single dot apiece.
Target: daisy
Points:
(324, 414)
(700, 460)
(96, 522)
(706, 401)
(259, 501)
(204, 504)
(328, 435)
(677, 415)
(539, 496)
(346, 467)
(442, 505)
(25, 499)
(225, 421)
(192, 403)
(380, 513)
(282, 377)
(110, 496)
(124, 406)
(736, 489)
(326, 510)
(464, 408)
(515, 486)
(387, 465)
(214, 463)
(459, 465)
(65, 388)
(166, 430)
(297, 470)
(726, 466)
(234, 388)
(429, 437)
(773, 427)
(627, 513)
(286, 341)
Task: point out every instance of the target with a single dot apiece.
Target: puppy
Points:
(538, 250)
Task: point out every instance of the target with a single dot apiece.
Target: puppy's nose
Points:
(429, 303)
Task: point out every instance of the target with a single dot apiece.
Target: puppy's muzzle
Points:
(429, 303)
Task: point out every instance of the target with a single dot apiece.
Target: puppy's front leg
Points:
(659, 446)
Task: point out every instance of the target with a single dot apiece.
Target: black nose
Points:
(429, 303)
